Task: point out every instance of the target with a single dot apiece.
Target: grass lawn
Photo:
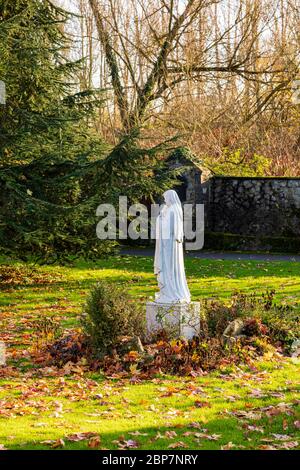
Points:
(234, 407)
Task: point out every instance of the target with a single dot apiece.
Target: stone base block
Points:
(179, 320)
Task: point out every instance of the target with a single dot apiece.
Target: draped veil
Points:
(168, 260)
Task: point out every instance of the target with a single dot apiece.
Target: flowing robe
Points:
(168, 261)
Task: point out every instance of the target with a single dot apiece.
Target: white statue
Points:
(168, 261)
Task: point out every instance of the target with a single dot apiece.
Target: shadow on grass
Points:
(199, 430)
(221, 431)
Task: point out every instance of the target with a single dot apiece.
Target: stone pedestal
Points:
(179, 320)
(2, 354)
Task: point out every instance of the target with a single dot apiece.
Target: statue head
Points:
(171, 198)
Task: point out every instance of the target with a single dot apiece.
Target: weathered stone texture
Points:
(253, 206)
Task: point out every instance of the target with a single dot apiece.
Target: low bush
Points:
(283, 323)
(110, 314)
(262, 316)
(217, 314)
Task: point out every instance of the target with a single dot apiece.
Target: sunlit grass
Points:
(207, 279)
(140, 407)
(130, 407)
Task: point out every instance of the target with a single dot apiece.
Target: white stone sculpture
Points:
(2, 354)
(172, 308)
(168, 261)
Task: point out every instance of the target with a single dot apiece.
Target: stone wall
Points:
(256, 207)
(190, 188)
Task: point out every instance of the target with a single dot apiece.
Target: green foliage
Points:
(238, 163)
(54, 169)
(218, 314)
(182, 154)
(45, 136)
(284, 325)
(109, 314)
(262, 317)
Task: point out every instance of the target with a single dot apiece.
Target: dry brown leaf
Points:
(202, 404)
(249, 427)
(228, 446)
(58, 443)
(176, 445)
(285, 425)
(170, 434)
(195, 425)
(81, 436)
(266, 447)
(131, 444)
(94, 442)
(282, 437)
(290, 445)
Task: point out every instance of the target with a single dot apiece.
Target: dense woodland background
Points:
(220, 73)
(100, 91)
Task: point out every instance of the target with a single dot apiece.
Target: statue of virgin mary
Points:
(168, 260)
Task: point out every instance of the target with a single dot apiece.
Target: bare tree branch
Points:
(112, 63)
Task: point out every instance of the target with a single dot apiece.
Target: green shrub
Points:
(216, 317)
(110, 314)
(284, 325)
(218, 314)
(261, 315)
